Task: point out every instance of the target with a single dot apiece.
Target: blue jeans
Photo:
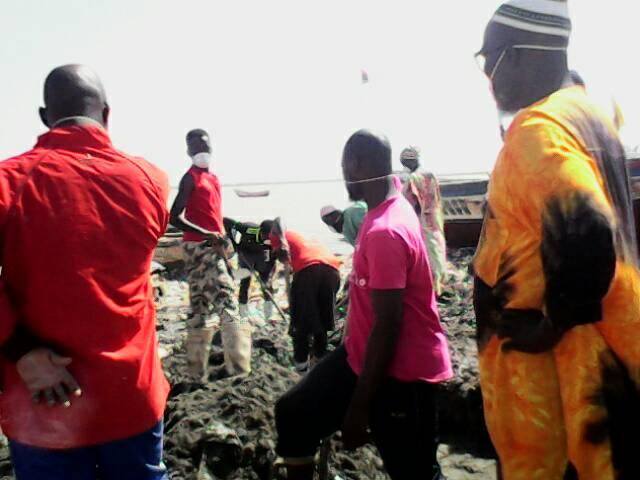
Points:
(134, 458)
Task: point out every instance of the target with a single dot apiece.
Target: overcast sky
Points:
(277, 83)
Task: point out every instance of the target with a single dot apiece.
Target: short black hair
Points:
(266, 227)
(196, 133)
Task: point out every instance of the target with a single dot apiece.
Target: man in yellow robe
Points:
(557, 290)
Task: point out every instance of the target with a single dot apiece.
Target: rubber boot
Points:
(236, 342)
(302, 367)
(198, 349)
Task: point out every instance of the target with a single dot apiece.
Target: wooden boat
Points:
(463, 204)
(464, 200)
(169, 250)
(247, 194)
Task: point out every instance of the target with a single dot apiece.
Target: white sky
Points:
(277, 83)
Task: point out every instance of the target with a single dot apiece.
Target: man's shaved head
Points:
(368, 151)
(366, 155)
(74, 91)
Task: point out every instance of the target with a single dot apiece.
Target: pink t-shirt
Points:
(390, 255)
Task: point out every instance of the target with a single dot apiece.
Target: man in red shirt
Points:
(83, 392)
(395, 350)
(197, 211)
(316, 281)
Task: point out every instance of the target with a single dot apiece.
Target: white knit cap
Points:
(328, 210)
(550, 17)
(410, 153)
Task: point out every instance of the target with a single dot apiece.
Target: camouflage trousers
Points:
(211, 286)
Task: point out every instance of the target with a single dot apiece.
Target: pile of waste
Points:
(224, 428)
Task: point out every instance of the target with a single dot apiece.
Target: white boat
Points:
(247, 194)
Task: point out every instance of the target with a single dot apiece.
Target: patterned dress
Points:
(423, 192)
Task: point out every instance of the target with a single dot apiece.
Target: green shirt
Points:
(352, 219)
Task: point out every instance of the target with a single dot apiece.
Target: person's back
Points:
(80, 224)
(315, 283)
(245, 236)
(305, 253)
(83, 392)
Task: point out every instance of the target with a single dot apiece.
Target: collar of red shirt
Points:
(75, 138)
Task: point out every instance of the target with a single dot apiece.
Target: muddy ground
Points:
(224, 428)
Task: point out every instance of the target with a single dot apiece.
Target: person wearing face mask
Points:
(423, 192)
(384, 377)
(197, 211)
(556, 272)
(346, 222)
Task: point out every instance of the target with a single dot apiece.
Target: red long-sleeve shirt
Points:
(305, 253)
(79, 222)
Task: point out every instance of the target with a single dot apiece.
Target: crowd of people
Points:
(556, 289)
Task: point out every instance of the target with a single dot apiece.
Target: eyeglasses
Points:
(481, 56)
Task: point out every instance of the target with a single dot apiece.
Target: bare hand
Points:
(355, 427)
(215, 239)
(45, 374)
(283, 255)
(527, 331)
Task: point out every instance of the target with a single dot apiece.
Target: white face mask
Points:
(505, 119)
(202, 160)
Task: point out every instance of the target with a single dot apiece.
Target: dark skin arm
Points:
(576, 280)
(381, 349)
(179, 206)
(231, 227)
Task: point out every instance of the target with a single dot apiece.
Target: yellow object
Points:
(550, 414)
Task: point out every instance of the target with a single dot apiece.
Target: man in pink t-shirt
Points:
(395, 351)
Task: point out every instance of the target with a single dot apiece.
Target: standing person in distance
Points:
(197, 211)
(423, 192)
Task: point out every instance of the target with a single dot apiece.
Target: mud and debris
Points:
(224, 428)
